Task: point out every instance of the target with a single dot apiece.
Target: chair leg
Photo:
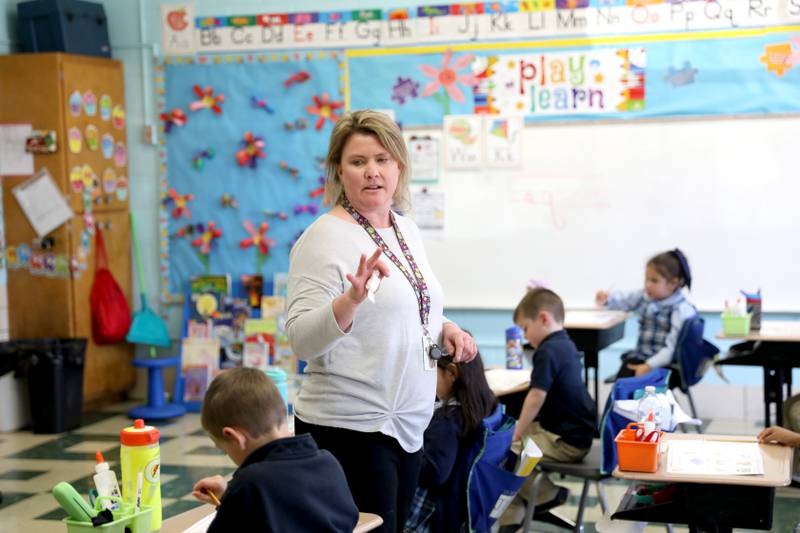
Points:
(601, 497)
(531, 507)
(669, 528)
(693, 409)
(581, 505)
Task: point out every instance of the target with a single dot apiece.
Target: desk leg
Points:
(774, 381)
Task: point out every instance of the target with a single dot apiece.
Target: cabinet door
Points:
(108, 371)
(99, 85)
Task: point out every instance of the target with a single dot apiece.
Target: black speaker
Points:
(72, 26)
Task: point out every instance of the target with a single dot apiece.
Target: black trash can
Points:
(55, 381)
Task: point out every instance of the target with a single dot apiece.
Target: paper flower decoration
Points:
(294, 172)
(176, 117)
(319, 191)
(325, 109)
(190, 229)
(306, 208)
(179, 202)
(252, 150)
(301, 76)
(199, 160)
(261, 103)
(447, 78)
(275, 214)
(207, 100)
(228, 200)
(258, 237)
(204, 241)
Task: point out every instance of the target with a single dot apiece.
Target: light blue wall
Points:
(125, 25)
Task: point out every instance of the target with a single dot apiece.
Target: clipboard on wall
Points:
(423, 154)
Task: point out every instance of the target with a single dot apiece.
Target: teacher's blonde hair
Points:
(366, 122)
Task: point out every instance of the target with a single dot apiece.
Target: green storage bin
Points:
(736, 325)
(124, 519)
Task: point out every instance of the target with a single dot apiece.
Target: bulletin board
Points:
(243, 140)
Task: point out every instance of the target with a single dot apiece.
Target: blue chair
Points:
(693, 356)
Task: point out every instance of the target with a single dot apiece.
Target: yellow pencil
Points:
(213, 497)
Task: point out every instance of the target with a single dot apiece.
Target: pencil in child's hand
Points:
(213, 497)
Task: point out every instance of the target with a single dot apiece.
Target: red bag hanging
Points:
(111, 315)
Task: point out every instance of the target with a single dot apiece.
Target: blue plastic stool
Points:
(157, 408)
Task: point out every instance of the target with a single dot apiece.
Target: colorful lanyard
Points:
(417, 281)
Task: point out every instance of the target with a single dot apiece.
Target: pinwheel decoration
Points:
(207, 237)
(261, 104)
(207, 100)
(258, 238)
(176, 117)
(179, 202)
(252, 150)
(325, 109)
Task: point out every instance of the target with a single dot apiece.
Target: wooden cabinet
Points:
(36, 89)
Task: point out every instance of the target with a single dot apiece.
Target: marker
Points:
(139, 481)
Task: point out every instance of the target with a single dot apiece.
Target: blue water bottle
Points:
(514, 356)
(278, 376)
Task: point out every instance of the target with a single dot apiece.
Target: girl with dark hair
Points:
(662, 308)
(464, 400)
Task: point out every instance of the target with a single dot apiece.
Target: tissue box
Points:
(736, 325)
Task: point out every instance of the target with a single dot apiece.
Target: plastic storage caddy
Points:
(124, 519)
(736, 324)
(634, 455)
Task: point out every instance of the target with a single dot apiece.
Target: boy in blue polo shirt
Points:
(558, 413)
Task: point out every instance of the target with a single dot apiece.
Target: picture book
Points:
(280, 283)
(200, 352)
(272, 306)
(209, 294)
(256, 355)
(195, 382)
(198, 329)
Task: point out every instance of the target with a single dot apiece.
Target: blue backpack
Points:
(491, 482)
(693, 354)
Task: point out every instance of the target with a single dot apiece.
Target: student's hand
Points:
(357, 292)
(641, 369)
(780, 435)
(458, 343)
(216, 484)
(601, 298)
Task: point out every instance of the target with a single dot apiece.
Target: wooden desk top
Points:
(180, 522)
(771, 331)
(777, 465)
(593, 318)
(504, 381)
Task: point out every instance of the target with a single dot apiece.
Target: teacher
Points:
(371, 375)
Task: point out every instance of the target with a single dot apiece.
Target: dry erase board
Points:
(592, 202)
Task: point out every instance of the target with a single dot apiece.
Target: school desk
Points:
(775, 348)
(718, 503)
(180, 522)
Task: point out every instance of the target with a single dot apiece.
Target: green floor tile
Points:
(179, 507)
(10, 498)
(187, 476)
(206, 450)
(21, 475)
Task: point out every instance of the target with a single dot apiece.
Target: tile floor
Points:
(30, 465)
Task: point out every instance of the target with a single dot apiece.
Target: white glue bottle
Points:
(106, 482)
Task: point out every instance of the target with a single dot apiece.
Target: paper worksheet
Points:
(201, 526)
(714, 458)
(42, 202)
(14, 160)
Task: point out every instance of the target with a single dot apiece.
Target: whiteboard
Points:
(593, 201)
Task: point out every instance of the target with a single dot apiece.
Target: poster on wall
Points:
(423, 155)
(177, 29)
(428, 210)
(463, 143)
(561, 83)
(503, 138)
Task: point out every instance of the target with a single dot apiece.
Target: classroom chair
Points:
(588, 470)
(693, 357)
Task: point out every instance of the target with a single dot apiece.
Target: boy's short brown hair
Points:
(244, 398)
(540, 299)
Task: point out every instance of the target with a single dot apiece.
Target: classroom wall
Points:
(135, 37)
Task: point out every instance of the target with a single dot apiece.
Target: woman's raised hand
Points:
(366, 266)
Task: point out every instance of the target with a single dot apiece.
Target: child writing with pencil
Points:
(465, 399)
(662, 308)
(283, 483)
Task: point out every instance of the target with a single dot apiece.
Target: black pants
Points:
(382, 476)
(629, 358)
